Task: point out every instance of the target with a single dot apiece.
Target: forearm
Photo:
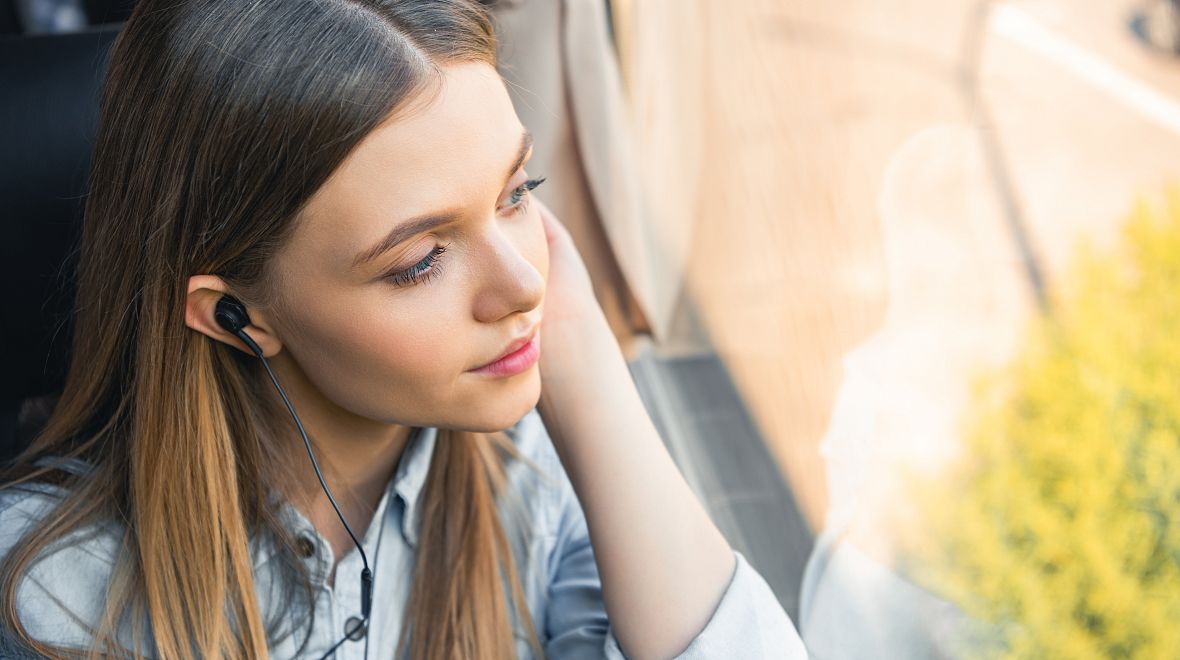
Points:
(664, 565)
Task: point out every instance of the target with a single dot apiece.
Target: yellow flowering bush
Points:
(1059, 529)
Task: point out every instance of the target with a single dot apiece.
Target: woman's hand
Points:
(577, 346)
(570, 305)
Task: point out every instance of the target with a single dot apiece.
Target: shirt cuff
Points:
(748, 623)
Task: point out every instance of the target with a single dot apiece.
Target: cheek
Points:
(401, 340)
(421, 346)
(387, 349)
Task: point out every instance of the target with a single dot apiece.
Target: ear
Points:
(203, 293)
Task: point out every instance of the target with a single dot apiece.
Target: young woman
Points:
(352, 174)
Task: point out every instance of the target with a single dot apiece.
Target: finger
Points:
(553, 226)
(547, 222)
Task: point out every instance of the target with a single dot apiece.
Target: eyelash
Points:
(428, 268)
(421, 271)
(524, 189)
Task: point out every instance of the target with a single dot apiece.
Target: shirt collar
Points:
(409, 478)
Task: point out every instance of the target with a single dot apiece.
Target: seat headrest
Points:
(48, 118)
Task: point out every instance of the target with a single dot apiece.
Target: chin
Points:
(503, 410)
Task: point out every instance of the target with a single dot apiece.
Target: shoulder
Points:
(540, 479)
(60, 595)
(24, 505)
(530, 437)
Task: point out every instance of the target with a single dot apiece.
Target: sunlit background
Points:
(872, 203)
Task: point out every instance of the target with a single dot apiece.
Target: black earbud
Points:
(231, 315)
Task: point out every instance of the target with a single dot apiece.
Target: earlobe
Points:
(200, 305)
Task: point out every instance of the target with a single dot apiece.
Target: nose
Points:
(509, 262)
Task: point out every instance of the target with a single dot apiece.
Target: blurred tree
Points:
(1060, 527)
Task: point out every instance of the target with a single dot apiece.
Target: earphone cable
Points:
(366, 573)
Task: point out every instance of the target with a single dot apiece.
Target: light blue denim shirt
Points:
(63, 592)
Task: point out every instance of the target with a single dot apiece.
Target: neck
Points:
(356, 455)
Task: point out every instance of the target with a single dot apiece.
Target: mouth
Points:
(514, 346)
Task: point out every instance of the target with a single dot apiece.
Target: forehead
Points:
(448, 149)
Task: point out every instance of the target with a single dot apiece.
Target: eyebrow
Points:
(425, 222)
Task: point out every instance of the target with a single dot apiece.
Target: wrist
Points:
(581, 362)
(571, 341)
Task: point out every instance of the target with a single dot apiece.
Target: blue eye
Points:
(518, 201)
(421, 271)
(429, 267)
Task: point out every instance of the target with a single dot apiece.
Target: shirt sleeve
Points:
(40, 612)
(61, 596)
(748, 622)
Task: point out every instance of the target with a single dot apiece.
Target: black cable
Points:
(347, 636)
(366, 574)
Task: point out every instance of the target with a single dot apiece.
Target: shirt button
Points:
(353, 628)
(305, 547)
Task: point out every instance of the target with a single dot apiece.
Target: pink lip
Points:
(519, 356)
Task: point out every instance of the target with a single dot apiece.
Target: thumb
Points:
(554, 230)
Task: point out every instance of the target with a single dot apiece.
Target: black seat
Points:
(50, 88)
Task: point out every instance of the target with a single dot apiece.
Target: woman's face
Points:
(366, 338)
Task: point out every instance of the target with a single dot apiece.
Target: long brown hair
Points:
(219, 120)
